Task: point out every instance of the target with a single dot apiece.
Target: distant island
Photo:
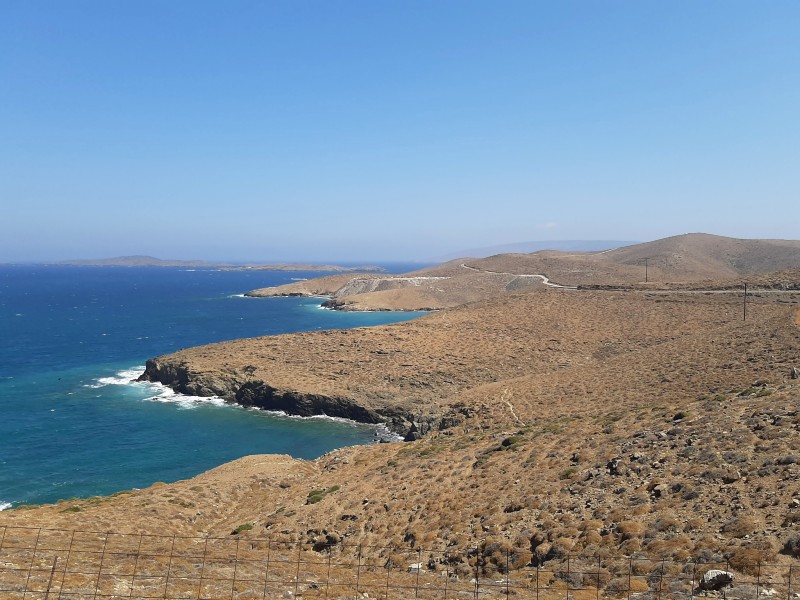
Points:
(151, 261)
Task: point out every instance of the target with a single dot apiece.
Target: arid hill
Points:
(555, 421)
(544, 422)
(686, 259)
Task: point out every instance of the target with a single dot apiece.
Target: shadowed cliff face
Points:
(250, 392)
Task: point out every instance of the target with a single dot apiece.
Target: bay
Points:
(72, 339)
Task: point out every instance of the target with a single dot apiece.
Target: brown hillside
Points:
(692, 258)
(533, 397)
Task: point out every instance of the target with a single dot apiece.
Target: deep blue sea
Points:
(72, 339)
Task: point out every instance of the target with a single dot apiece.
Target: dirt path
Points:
(545, 280)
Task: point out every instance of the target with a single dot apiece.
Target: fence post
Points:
(388, 569)
(235, 566)
(694, 578)
(100, 568)
(169, 565)
(599, 565)
(446, 572)
(538, 567)
(50, 582)
(725, 588)
(789, 584)
(569, 583)
(135, 562)
(419, 568)
(297, 571)
(508, 570)
(266, 566)
(758, 579)
(33, 558)
(328, 576)
(477, 572)
(202, 570)
(630, 576)
(358, 569)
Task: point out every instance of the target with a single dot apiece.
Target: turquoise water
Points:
(72, 339)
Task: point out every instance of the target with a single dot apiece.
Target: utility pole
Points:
(645, 270)
(744, 304)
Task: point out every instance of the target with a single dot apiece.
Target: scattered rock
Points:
(415, 567)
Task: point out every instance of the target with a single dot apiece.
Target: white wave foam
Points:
(158, 392)
(120, 378)
(4, 505)
(169, 396)
(237, 296)
(382, 431)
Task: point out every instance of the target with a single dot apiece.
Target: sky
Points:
(349, 130)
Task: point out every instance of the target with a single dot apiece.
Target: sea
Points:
(73, 420)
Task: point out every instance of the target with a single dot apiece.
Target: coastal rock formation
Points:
(259, 394)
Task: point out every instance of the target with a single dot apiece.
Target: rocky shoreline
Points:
(256, 393)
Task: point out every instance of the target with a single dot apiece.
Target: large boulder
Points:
(715, 580)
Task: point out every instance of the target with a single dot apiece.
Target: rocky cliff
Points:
(243, 389)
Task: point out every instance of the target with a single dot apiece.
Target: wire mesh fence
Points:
(51, 564)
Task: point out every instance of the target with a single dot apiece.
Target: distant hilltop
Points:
(151, 261)
(689, 261)
(137, 261)
(535, 246)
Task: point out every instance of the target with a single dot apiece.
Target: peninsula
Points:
(150, 261)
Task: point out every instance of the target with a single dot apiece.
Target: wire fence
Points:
(52, 564)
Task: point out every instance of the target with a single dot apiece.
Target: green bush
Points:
(316, 495)
(241, 528)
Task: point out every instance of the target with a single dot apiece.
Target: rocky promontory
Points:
(243, 389)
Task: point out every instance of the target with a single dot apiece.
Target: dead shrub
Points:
(748, 560)
(620, 586)
(596, 577)
(630, 546)
(591, 524)
(630, 529)
(740, 526)
(680, 544)
(668, 523)
(592, 538)
(520, 557)
(692, 524)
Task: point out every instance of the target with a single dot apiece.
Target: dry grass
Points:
(601, 423)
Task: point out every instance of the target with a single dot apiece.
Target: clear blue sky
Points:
(375, 130)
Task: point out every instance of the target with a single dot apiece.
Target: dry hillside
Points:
(560, 421)
(542, 422)
(691, 260)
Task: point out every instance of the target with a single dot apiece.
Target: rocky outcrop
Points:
(715, 580)
(240, 388)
